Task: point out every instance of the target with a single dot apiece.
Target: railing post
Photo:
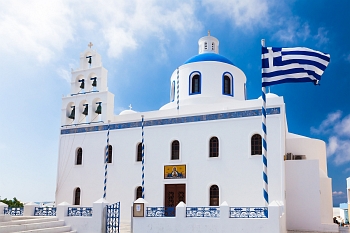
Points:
(180, 210)
(224, 210)
(99, 215)
(6, 217)
(28, 209)
(62, 210)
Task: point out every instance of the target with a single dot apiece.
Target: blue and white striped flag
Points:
(284, 65)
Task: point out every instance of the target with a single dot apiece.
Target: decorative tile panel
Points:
(248, 212)
(203, 212)
(171, 121)
(45, 211)
(80, 211)
(13, 211)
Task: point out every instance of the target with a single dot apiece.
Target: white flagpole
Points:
(264, 141)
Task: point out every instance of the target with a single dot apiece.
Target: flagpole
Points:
(106, 165)
(143, 157)
(264, 141)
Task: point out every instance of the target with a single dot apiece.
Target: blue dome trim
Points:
(208, 57)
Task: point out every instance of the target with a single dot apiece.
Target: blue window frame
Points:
(195, 83)
(227, 84)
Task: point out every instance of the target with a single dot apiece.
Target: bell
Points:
(94, 83)
(86, 110)
(89, 61)
(72, 114)
(82, 85)
(99, 108)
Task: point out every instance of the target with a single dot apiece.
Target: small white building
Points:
(202, 148)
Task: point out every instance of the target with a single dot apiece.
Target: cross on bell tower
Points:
(90, 44)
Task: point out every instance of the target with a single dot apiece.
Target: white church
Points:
(197, 161)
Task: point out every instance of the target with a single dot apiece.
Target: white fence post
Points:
(99, 215)
(28, 209)
(181, 210)
(224, 210)
(62, 210)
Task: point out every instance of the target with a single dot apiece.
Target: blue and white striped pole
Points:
(106, 165)
(178, 90)
(264, 141)
(143, 158)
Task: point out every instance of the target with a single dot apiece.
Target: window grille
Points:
(227, 85)
(256, 147)
(214, 147)
(175, 150)
(196, 83)
(214, 195)
(110, 154)
(139, 152)
(138, 192)
(79, 156)
(77, 196)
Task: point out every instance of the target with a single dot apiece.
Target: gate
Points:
(113, 218)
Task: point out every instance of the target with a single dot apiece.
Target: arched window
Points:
(175, 150)
(227, 84)
(205, 45)
(110, 154)
(212, 46)
(256, 148)
(214, 195)
(77, 196)
(79, 156)
(214, 147)
(195, 83)
(138, 192)
(139, 152)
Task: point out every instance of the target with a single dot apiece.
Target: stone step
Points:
(27, 220)
(28, 226)
(62, 229)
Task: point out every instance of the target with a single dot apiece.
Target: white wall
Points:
(235, 171)
(181, 223)
(312, 148)
(304, 197)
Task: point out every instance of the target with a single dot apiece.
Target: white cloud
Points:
(65, 74)
(338, 130)
(43, 28)
(347, 57)
(292, 30)
(321, 36)
(242, 13)
(36, 27)
(327, 123)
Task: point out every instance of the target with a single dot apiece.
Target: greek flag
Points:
(284, 65)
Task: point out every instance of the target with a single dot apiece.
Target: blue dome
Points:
(209, 57)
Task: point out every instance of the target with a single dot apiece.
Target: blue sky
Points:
(141, 44)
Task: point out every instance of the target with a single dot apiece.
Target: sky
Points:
(141, 43)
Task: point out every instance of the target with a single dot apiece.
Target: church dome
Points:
(128, 111)
(208, 57)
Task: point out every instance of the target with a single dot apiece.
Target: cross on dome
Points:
(130, 107)
(90, 44)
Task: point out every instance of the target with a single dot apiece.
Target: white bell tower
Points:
(89, 101)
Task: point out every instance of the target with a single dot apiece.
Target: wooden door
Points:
(174, 193)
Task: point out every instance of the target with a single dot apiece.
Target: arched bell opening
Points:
(79, 84)
(96, 110)
(83, 114)
(88, 60)
(93, 84)
(70, 113)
